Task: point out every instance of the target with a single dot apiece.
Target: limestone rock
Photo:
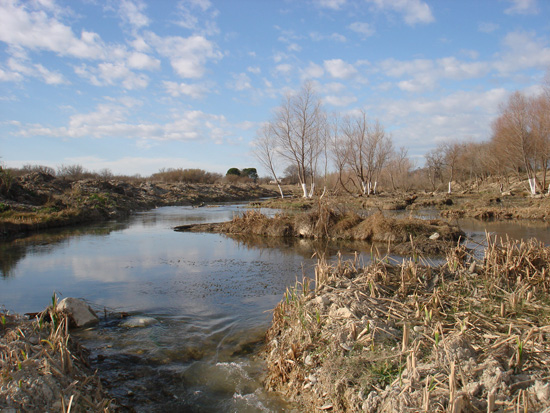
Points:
(80, 313)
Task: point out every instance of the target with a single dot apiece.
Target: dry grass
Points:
(43, 369)
(464, 336)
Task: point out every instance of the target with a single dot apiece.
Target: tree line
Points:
(355, 154)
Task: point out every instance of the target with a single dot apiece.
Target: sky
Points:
(135, 86)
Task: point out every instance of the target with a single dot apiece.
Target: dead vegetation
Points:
(403, 236)
(43, 369)
(466, 336)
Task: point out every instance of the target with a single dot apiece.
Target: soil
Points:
(404, 236)
(38, 201)
(467, 336)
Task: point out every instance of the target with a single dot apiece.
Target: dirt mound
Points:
(407, 235)
(464, 336)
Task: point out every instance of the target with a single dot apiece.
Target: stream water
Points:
(210, 296)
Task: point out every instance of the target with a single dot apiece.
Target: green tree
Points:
(251, 173)
(233, 171)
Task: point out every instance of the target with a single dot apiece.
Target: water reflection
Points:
(212, 295)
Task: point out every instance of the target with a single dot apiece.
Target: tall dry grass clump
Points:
(467, 335)
(43, 369)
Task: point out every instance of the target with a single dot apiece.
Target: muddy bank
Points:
(465, 336)
(42, 368)
(38, 201)
(487, 203)
(404, 236)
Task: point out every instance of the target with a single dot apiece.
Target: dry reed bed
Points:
(464, 336)
(43, 369)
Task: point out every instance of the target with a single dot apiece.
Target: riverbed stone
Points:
(139, 321)
(80, 313)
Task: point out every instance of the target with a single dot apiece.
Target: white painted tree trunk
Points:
(449, 187)
(533, 186)
(374, 189)
(311, 190)
(304, 188)
(364, 187)
(280, 190)
(323, 194)
(369, 188)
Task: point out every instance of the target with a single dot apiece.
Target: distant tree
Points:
(251, 173)
(233, 171)
(71, 171)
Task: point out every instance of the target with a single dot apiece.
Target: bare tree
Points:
(513, 138)
(265, 152)
(368, 148)
(297, 127)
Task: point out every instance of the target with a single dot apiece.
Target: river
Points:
(210, 294)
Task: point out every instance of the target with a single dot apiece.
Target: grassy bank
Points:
(464, 336)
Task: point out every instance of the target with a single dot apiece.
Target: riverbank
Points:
(40, 201)
(407, 236)
(42, 368)
(464, 336)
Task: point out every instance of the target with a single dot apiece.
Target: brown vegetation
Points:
(468, 335)
(404, 236)
(37, 200)
(43, 369)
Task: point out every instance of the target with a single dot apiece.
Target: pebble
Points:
(418, 329)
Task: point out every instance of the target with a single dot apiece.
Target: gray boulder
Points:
(80, 313)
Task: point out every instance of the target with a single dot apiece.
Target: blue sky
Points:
(135, 86)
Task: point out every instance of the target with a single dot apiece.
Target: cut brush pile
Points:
(43, 369)
(466, 336)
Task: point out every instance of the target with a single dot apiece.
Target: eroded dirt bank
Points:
(466, 336)
(404, 236)
(39, 201)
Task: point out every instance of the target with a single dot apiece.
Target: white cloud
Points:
(487, 27)
(37, 31)
(178, 89)
(335, 37)
(523, 51)
(112, 119)
(413, 11)
(362, 28)
(188, 55)
(339, 69)
(284, 68)
(294, 47)
(522, 7)
(108, 74)
(312, 71)
(198, 16)
(330, 4)
(240, 82)
(10, 76)
(142, 61)
(21, 65)
(339, 100)
(420, 123)
(131, 13)
(254, 69)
